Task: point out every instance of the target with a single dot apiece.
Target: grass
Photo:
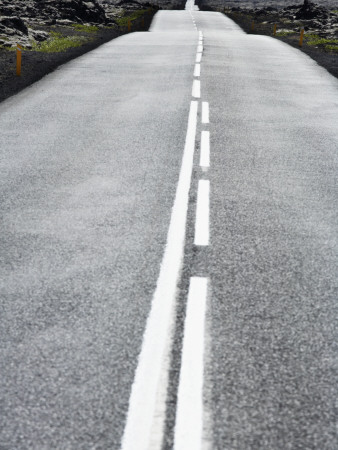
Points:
(123, 21)
(330, 45)
(58, 43)
(314, 39)
(331, 48)
(86, 28)
(284, 33)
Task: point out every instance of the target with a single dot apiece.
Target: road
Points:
(169, 246)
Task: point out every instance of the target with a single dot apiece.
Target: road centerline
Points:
(205, 112)
(202, 214)
(144, 405)
(205, 149)
(196, 89)
(189, 412)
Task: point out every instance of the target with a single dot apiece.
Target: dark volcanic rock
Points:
(74, 10)
(14, 23)
(312, 11)
(20, 15)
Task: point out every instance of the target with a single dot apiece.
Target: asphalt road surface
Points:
(169, 246)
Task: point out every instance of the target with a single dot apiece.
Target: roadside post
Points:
(301, 37)
(252, 26)
(274, 29)
(129, 25)
(18, 59)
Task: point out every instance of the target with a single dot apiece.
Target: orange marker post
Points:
(18, 59)
(301, 37)
(274, 29)
(252, 26)
(129, 25)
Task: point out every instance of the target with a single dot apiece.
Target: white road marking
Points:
(199, 48)
(144, 405)
(196, 89)
(197, 71)
(205, 112)
(202, 214)
(198, 57)
(189, 412)
(205, 149)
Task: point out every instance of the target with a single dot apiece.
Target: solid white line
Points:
(205, 112)
(205, 149)
(144, 404)
(199, 48)
(202, 214)
(196, 89)
(197, 71)
(198, 57)
(189, 412)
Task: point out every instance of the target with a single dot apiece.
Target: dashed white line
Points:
(202, 213)
(196, 89)
(205, 112)
(205, 149)
(199, 48)
(189, 413)
(198, 57)
(197, 71)
(144, 404)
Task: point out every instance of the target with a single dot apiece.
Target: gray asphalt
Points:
(273, 258)
(90, 158)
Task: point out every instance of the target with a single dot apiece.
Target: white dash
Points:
(196, 89)
(198, 57)
(205, 112)
(205, 149)
(202, 214)
(199, 48)
(146, 408)
(189, 411)
(197, 71)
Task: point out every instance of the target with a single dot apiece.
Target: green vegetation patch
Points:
(284, 33)
(123, 21)
(85, 28)
(58, 43)
(314, 39)
(331, 48)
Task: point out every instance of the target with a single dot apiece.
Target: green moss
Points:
(86, 28)
(331, 48)
(314, 39)
(58, 43)
(284, 33)
(123, 21)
